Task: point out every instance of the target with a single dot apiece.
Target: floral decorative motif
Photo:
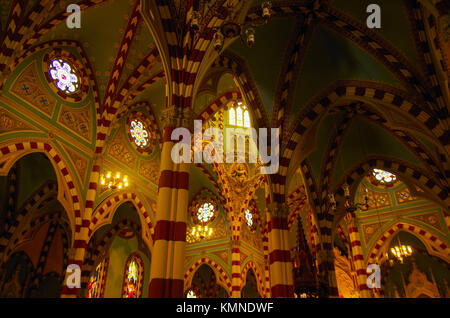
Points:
(64, 75)
(139, 133)
(138, 126)
(205, 212)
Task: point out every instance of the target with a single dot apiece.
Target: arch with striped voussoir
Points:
(436, 245)
(46, 190)
(382, 50)
(25, 29)
(410, 142)
(105, 211)
(83, 66)
(217, 104)
(97, 250)
(402, 169)
(139, 77)
(332, 152)
(259, 278)
(357, 91)
(68, 193)
(236, 66)
(290, 71)
(296, 201)
(407, 138)
(222, 276)
(429, 45)
(28, 230)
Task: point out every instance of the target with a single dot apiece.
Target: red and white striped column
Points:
(167, 274)
(280, 264)
(358, 256)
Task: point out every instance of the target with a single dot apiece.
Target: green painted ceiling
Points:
(395, 25)
(364, 139)
(197, 181)
(272, 39)
(100, 40)
(331, 57)
(326, 130)
(35, 169)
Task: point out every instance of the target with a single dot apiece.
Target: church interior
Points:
(93, 205)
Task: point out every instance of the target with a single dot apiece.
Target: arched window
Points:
(232, 116)
(249, 218)
(239, 116)
(132, 285)
(96, 283)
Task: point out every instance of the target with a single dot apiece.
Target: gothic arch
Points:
(251, 265)
(430, 240)
(222, 276)
(68, 193)
(105, 211)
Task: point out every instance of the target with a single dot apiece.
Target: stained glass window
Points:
(249, 218)
(246, 119)
(384, 177)
(205, 212)
(93, 283)
(132, 280)
(239, 116)
(64, 75)
(232, 115)
(139, 133)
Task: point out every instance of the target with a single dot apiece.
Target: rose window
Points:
(64, 76)
(205, 212)
(139, 134)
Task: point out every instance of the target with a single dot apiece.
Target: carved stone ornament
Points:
(176, 117)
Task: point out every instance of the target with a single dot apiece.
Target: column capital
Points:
(177, 117)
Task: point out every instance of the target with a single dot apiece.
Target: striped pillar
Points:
(167, 274)
(265, 240)
(358, 256)
(236, 278)
(81, 240)
(280, 264)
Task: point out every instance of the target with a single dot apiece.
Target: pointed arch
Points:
(430, 240)
(222, 275)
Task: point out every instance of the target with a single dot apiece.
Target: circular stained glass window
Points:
(384, 177)
(139, 133)
(64, 76)
(205, 212)
(249, 218)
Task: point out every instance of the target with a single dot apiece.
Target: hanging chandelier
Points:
(201, 231)
(400, 252)
(349, 205)
(230, 29)
(114, 181)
